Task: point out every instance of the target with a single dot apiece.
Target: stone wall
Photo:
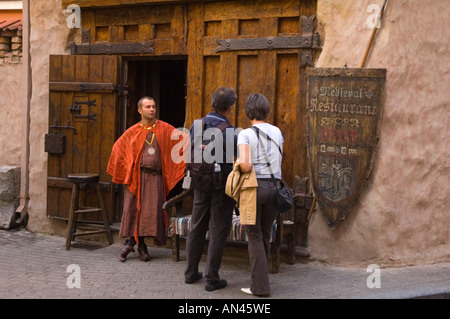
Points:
(9, 195)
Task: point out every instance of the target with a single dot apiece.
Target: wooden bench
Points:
(179, 227)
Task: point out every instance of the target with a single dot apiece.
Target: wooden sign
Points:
(343, 114)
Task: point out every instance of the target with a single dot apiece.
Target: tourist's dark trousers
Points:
(213, 209)
(259, 237)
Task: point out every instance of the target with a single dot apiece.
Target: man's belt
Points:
(150, 171)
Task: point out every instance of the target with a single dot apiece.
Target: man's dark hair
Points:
(223, 98)
(141, 101)
(257, 107)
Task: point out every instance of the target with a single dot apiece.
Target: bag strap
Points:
(223, 126)
(258, 131)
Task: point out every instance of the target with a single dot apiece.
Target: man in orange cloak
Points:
(142, 160)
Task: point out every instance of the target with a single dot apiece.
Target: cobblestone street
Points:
(37, 266)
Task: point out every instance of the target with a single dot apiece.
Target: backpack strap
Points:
(223, 126)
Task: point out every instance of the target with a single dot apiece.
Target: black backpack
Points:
(204, 176)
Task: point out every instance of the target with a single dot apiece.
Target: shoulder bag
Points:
(284, 200)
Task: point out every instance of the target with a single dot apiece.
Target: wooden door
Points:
(83, 111)
(225, 50)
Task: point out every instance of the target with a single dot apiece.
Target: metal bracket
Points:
(64, 127)
(113, 48)
(86, 35)
(269, 43)
(75, 109)
(88, 117)
(307, 42)
(306, 55)
(90, 103)
(121, 90)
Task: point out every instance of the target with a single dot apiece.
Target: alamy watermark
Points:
(74, 18)
(374, 279)
(74, 279)
(374, 20)
(214, 150)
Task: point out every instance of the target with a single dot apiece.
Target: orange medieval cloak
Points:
(126, 154)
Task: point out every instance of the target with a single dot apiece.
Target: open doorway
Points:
(163, 80)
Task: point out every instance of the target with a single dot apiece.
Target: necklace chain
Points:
(148, 127)
(151, 142)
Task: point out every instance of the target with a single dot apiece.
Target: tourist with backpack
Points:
(213, 150)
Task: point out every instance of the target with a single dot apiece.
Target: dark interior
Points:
(163, 80)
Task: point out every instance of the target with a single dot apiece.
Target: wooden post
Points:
(374, 31)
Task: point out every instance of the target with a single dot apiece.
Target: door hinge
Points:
(121, 90)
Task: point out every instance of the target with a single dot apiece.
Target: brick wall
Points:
(10, 41)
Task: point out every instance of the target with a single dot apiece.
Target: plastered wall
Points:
(10, 113)
(403, 217)
(49, 35)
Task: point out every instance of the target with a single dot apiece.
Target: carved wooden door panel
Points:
(254, 47)
(83, 113)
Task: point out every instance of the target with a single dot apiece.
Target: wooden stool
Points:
(285, 230)
(79, 183)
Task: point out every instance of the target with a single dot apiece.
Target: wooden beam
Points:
(194, 49)
(249, 9)
(113, 48)
(114, 3)
(81, 86)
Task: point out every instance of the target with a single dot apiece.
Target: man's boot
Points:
(143, 252)
(126, 249)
